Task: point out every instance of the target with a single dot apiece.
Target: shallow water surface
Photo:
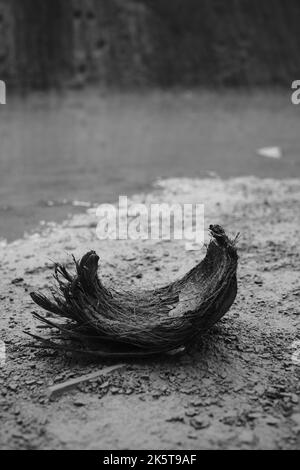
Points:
(55, 149)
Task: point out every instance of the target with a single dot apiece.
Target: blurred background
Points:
(105, 96)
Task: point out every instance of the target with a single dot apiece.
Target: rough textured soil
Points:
(237, 388)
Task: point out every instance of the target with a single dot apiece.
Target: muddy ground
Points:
(237, 388)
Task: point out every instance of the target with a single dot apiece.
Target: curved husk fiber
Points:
(99, 320)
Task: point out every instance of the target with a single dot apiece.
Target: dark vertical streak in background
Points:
(126, 43)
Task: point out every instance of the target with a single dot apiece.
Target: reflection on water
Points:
(87, 147)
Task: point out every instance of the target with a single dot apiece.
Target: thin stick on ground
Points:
(69, 384)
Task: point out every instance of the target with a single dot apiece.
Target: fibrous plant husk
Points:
(100, 319)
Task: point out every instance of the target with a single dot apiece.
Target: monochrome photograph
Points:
(149, 227)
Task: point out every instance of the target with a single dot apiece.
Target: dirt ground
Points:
(237, 388)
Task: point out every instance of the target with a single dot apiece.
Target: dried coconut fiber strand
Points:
(99, 320)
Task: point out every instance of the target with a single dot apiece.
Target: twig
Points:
(63, 387)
